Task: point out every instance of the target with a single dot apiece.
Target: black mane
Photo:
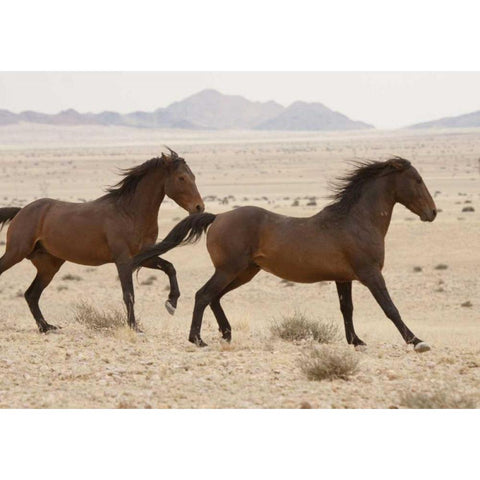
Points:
(346, 190)
(126, 187)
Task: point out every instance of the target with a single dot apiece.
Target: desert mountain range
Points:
(469, 120)
(208, 109)
(212, 110)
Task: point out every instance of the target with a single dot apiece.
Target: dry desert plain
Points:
(81, 367)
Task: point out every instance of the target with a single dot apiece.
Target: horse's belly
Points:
(307, 268)
(79, 251)
(78, 245)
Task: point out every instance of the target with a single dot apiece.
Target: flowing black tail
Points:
(6, 214)
(189, 230)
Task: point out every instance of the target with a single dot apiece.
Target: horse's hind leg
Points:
(344, 290)
(14, 254)
(161, 264)
(47, 266)
(211, 290)
(241, 279)
(376, 284)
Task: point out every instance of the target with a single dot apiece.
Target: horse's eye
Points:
(419, 180)
(182, 179)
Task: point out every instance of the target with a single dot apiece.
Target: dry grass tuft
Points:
(436, 400)
(242, 325)
(298, 327)
(95, 319)
(124, 334)
(326, 363)
(70, 276)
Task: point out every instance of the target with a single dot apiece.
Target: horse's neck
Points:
(148, 196)
(376, 205)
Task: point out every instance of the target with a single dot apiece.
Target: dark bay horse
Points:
(112, 228)
(341, 243)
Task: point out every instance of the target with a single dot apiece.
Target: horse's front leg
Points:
(125, 275)
(161, 264)
(344, 290)
(374, 281)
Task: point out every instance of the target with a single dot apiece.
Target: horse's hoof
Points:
(170, 308)
(421, 347)
(198, 341)
(47, 328)
(361, 348)
(227, 336)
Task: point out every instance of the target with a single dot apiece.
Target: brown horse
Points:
(112, 228)
(342, 243)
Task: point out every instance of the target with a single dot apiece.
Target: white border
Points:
(248, 35)
(209, 35)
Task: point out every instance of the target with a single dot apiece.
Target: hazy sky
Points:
(387, 100)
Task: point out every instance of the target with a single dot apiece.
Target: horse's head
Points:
(180, 184)
(411, 190)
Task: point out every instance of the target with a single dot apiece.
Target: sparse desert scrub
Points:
(298, 327)
(149, 280)
(70, 276)
(95, 319)
(441, 399)
(327, 363)
(85, 368)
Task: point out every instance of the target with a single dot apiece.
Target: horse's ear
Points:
(173, 154)
(399, 163)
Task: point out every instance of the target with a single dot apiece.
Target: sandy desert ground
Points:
(80, 367)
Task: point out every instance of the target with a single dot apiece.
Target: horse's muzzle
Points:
(198, 208)
(429, 216)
